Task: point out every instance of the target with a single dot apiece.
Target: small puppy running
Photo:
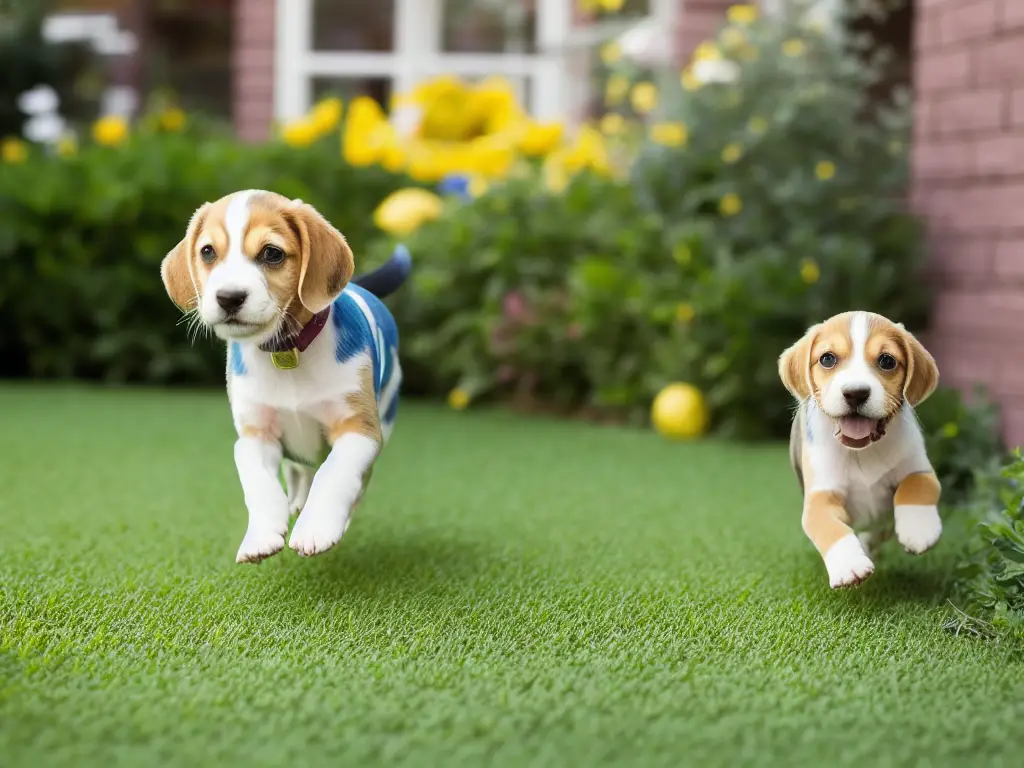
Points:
(856, 445)
(312, 371)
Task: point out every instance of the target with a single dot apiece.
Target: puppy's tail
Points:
(388, 277)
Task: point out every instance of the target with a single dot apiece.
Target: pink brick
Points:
(1012, 14)
(927, 34)
(924, 117)
(946, 159)
(1009, 259)
(966, 262)
(979, 314)
(1017, 107)
(1001, 155)
(943, 70)
(1010, 379)
(1012, 416)
(1000, 61)
(973, 111)
(967, 20)
(963, 361)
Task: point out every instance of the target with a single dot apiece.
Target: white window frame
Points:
(554, 93)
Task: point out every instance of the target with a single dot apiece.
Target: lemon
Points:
(679, 412)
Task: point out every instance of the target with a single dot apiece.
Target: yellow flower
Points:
(611, 5)
(326, 115)
(732, 153)
(478, 186)
(950, 430)
(793, 47)
(684, 312)
(299, 133)
(615, 90)
(809, 271)
(644, 97)
(110, 131)
(556, 175)
(589, 151)
(733, 37)
(742, 14)
(670, 134)
(405, 210)
(730, 204)
(611, 53)
(13, 151)
(172, 120)
(825, 170)
(458, 399)
(364, 112)
(67, 145)
(690, 80)
(491, 156)
(682, 254)
(612, 124)
(757, 125)
(707, 51)
(540, 138)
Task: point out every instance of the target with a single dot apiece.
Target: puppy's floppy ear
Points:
(175, 268)
(922, 372)
(327, 262)
(795, 365)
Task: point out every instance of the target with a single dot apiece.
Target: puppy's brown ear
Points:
(327, 262)
(922, 372)
(174, 269)
(795, 365)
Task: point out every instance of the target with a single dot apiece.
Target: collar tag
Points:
(286, 360)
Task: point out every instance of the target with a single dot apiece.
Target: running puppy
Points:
(312, 371)
(856, 445)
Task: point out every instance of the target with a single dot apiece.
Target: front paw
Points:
(918, 527)
(847, 563)
(259, 544)
(317, 531)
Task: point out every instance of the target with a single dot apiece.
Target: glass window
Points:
(489, 26)
(354, 25)
(347, 88)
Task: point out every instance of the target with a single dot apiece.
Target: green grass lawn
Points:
(512, 591)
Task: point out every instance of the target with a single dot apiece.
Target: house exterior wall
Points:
(253, 68)
(968, 182)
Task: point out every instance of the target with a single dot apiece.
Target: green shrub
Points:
(82, 236)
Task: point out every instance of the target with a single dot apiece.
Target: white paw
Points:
(847, 564)
(259, 544)
(918, 527)
(316, 532)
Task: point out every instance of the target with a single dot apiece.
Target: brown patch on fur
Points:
(922, 372)
(176, 267)
(920, 488)
(326, 260)
(825, 520)
(269, 225)
(834, 337)
(362, 416)
(267, 434)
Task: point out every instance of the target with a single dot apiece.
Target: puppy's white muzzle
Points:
(237, 303)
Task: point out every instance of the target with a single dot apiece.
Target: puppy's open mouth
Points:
(859, 431)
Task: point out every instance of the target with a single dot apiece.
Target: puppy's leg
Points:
(826, 524)
(918, 525)
(297, 479)
(338, 485)
(258, 459)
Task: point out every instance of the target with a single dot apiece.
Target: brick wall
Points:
(697, 21)
(968, 166)
(253, 65)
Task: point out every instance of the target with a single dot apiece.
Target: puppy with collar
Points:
(856, 446)
(312, 369)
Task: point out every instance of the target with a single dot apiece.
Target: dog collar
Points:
(284, 352)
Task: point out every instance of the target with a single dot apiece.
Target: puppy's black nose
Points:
(231, 301)
(856, 396)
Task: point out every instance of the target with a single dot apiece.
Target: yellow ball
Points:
(679, 412)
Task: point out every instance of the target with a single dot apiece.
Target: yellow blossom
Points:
(458, 399)
(742, 14)
(670, 134)
(689, 80)
(67, 145)
(682, 254)
(540, 138)
(731, 153)
(491, 156)
(950, 430)
(615, 90)
(825, 170)
(733, 37)
(757, 125)
(612, 124)
(393, 157)
(707, 51)
(299, 133)
(730, 204)
(589, 151)
(110, 131)
(809, 271)
(364, 112)
(326, 115)
(684, 312)
(611, 5)
(405, 210)
(478, 186)
(611, 53)
(644, 97)
(556, 174)
(793, 47)
(588, 6)
(13, 151)
(172, 120)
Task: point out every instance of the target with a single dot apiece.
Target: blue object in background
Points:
(454, 184)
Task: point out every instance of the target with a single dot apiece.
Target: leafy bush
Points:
(82, 234)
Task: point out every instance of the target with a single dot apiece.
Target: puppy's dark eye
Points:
(271, 255)
(886, 362)
(207, 254)
(828, 360)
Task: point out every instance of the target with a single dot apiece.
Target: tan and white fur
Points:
(289, 264)
(856, 445)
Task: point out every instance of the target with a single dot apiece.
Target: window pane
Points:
(486, 26)
(354, 25)
(377, 88)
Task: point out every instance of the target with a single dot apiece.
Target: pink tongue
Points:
(856, 427)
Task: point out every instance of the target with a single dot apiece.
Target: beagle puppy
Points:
(312, 360)
(856, 446)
